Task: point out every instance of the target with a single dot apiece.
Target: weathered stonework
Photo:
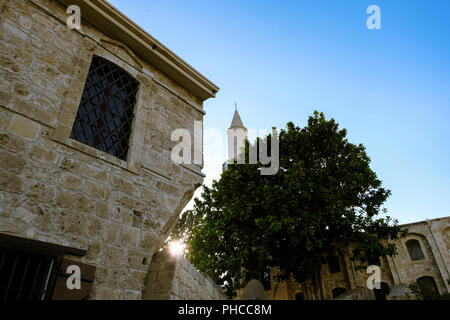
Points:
(397, 272)
(58, 190)
(175, 278)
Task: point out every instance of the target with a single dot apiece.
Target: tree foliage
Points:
(324, 198)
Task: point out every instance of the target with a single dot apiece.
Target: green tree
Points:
(184, 229)
(324, 197)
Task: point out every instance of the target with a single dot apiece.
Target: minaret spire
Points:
(236, 136)
(236, 123)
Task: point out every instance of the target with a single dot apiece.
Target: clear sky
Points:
(281, 60)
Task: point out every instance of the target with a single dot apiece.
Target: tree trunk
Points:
(318, 293)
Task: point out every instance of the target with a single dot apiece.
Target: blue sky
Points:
(281, 60)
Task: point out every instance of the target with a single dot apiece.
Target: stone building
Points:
(423, 256)
(86, 178)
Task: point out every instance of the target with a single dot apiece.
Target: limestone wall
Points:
(398, 272)
(431, 237)
(58, 190)
(175, 278)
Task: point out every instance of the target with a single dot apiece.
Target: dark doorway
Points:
(299, 296)
(428, 288)
(383, 292)
(336, 292)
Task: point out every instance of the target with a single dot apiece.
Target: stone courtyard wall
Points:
(175, 278)
(398, 272)
(431, 237)
(57, 190)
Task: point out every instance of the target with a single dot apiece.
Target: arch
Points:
(428, 287)
(299, 296)
(415, 250)
(112, 45)
(383, 292)
(336, 292)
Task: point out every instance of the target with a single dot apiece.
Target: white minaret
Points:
(237, 122)
(236, 136)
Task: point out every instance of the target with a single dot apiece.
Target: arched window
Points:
(428, 288)
(336, 292)
(333, 264)
(105, 114)
(382, 293)
(414, 249)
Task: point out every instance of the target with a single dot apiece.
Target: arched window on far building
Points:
(333, 264)
(336, 292)
(428, 288)
(414, 250)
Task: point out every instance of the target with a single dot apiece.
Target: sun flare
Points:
(176, 248)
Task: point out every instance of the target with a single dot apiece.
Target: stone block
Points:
(71, 182)
(42, 192)
(12, 143)
(11, 162)
(114, 256)
(24, 127)
(43, 155)
(130, 236)
(11, 183)
(103, 210)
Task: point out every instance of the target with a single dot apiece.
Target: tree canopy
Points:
(324, 197)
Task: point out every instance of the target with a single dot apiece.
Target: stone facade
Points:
(398, 272)
(175, 278)
(57, 190)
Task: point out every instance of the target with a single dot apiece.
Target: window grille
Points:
(105, 114)
(24, 276)
(414, 249)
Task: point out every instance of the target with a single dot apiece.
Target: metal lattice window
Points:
(105, 114)
(414, 249)
(24, 276)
